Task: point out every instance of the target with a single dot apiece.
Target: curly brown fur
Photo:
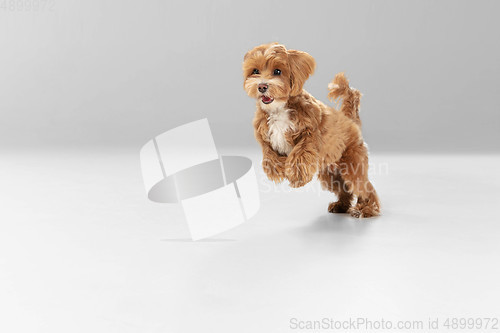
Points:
(339, 88)
(301, 136)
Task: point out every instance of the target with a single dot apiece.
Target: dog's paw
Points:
(338, 207)
(360, 211)
(300, 169)
(274, 169)
(298, 183)
(354, 212)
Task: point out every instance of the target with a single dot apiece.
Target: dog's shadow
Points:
(337, 224)
(337, 232)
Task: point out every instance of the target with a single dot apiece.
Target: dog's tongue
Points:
(266, 99)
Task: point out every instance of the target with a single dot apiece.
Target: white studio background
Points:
(85, 84)
(113, 72)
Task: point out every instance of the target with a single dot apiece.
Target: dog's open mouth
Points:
(267, 100)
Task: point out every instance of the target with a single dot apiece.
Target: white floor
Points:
(82, 250)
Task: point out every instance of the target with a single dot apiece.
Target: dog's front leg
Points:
(302, 162)
(273, 164)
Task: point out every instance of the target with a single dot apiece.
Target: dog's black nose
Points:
(263, 87)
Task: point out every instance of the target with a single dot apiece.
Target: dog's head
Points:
(273, 74)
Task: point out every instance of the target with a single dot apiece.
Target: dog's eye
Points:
(256, 71)
(277, 72)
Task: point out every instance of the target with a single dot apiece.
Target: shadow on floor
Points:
(189, 240)
(338, 224)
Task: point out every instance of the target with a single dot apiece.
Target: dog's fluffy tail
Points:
(351, 97)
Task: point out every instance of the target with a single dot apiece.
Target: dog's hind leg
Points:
(353, 167)
(333, 182)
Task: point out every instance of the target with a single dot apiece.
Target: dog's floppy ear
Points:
(302, 65)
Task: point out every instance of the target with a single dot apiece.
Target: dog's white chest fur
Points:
(279, 123)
